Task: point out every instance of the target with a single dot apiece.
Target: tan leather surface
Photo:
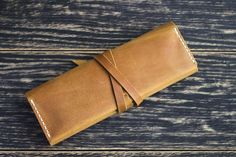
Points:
(85, 95)
(117, 89)
(119, 77)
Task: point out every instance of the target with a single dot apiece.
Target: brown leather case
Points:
(111, 83)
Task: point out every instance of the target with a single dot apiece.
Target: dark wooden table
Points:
(195, 117)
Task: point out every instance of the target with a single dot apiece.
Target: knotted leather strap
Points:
(117, 89)
(119, 77)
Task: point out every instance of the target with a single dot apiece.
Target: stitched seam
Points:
(40, 118)
(185, 46)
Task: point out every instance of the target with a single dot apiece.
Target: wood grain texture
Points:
(196, 113)
(105, 24)
(119, 154)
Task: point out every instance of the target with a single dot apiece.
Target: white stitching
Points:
(40, 118)
(185, 46)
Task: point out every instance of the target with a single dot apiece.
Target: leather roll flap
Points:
(85, 94)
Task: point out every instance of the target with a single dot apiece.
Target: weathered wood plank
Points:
(99, 24)
(120, 153)
(196, 113)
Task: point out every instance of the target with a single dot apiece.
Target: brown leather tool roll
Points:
(111, 83)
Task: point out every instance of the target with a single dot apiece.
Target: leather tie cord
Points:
(119, 77)
(117, 89)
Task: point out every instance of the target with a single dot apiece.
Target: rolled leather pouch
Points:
(111, 83)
